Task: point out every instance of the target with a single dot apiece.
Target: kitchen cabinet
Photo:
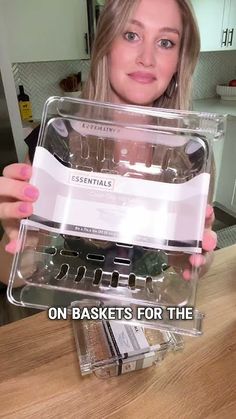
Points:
(229, 24)
(224, 152)
(46, 30)
(217, 24)
(226, 186)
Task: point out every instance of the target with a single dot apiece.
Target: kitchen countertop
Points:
(215, 105)
(40, 378)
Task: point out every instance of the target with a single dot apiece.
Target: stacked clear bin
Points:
(123, 193)
(109, 348)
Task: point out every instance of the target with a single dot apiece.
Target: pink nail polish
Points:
(25, 172)
(209, 241)
(197, 260)
(24, 207)
(10, 247)
(209, 211)
(13, 247)
(31, 192)
(187, 275)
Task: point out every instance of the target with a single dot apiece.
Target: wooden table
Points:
(40, 377)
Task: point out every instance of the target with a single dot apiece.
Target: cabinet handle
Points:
(86, 43)
(224, 38)
(232, 203)
(230, 41)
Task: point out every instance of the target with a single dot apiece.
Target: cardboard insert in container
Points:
(123, 194)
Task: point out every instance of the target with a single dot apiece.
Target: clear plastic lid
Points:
(123, 194)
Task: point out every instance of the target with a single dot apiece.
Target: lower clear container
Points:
(112, 348)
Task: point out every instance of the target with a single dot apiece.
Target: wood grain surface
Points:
(40, 377)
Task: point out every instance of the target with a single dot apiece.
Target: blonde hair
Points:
(112, 22)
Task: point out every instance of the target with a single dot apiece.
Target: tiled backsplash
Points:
(41, 80)
(213, 68)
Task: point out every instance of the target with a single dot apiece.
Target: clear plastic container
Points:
(123, 194)
(111, 348)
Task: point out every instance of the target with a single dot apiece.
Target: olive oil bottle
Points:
(25, 105)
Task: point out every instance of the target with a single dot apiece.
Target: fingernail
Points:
(10, 247)
(209, 241)
(197, 260)
(25, 172)
(209, 211)
(13, 247)
(187, 275)
(24, 207)
(31, 193)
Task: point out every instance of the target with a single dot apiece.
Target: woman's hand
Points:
(16, 199)
(204, 260)
(184, 264)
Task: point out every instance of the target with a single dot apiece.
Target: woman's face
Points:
(144, 57)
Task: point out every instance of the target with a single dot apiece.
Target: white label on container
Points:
(128, 340)
(138, 362)
(119, 208)
(128, 366)
(148, 359)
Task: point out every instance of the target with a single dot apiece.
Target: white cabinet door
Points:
(209, 14)
(230, 24)
(226, 192)
(217, 24)
(46, 30)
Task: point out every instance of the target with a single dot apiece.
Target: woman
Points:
(172, 58)
(144, 54)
